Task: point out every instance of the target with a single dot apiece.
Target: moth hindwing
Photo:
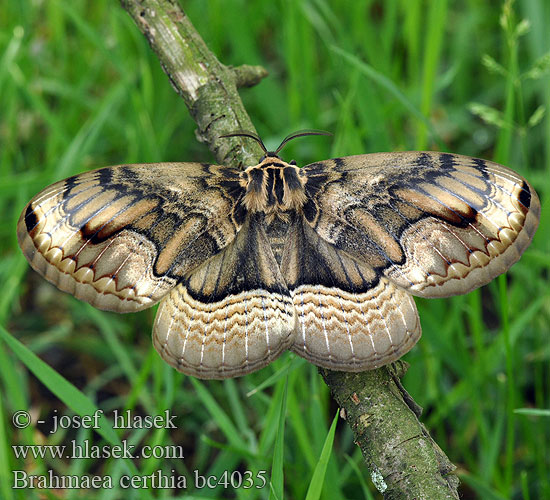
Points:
(322, 260)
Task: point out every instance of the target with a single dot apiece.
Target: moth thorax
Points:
(273, 187)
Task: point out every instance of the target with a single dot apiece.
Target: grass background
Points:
(80, 88)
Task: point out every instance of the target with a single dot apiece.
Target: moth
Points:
(322, 260)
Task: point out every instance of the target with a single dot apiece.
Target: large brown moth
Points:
(322, 259)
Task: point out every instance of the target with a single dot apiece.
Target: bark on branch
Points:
(208, 88)
(402, 458)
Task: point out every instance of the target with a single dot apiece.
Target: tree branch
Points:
(208, 88)
(403, 459)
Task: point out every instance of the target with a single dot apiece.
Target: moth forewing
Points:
(121, 237)
(449, 241)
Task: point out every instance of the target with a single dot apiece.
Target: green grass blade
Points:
(277, 473)
(480, 486)
(384, 82)
(437, 14)
(218, 414)
(532, 412)
(88, 133)
(318, 478)
(64, 390)
(5, 472)
(271, 419)
(366, 492)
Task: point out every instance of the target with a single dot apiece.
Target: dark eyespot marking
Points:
(31, 220)
(525, 195)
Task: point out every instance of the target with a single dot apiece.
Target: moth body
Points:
(273, 187)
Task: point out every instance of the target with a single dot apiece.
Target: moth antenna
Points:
(300, 133)
(247, 133)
